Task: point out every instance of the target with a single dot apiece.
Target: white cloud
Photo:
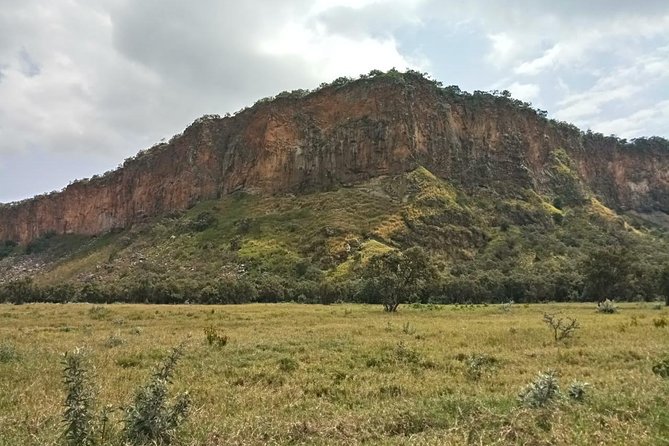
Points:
(525, 92)
(550, 58)
(329, 56)
(623, 85)
(646, 121)
(504, 49)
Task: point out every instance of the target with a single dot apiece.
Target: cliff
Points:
(347, 133)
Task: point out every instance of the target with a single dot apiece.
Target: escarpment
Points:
(343, 134)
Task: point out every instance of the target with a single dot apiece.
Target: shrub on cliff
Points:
(7, 248)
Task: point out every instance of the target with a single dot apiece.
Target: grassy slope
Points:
(329, 235)
(348, 374)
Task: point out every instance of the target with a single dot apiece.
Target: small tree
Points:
(398, 275)
(562, 327)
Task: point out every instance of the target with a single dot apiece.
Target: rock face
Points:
(342, 135)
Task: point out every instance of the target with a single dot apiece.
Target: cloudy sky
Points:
(87, 83)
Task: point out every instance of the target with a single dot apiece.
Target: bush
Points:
(150, 419)
(577, 390)
(204, 220)
(562, 327)
(7, 248)
(477, 365)
(542, 391)
(662, 368)
(78, 417)
(607, 307)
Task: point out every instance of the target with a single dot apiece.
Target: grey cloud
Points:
(29, 66)
(211, 48)
(381, 19)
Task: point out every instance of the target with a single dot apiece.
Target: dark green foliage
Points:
(398, 276)
(607, 273)
(40, 244)
(19, 291)
(664, 285)
(661, 368)
(151, 419)
(204, 220)
(7, 248)
(59, 293)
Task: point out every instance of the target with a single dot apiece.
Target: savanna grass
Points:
(312, 374)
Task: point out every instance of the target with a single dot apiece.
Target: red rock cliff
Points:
(341, 135)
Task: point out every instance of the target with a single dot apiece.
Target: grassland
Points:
(347, 374)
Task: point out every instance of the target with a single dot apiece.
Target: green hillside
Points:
(487, 247)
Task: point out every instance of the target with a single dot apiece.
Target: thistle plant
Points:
(151, 419)
(79, 401)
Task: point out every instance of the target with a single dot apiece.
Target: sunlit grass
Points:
(347, 374)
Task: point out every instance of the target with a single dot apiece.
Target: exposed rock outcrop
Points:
(345, 134)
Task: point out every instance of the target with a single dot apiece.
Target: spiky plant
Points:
(540, 392)
(150, 419)
(79, 401)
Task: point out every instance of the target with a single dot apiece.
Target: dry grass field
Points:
(347, 374)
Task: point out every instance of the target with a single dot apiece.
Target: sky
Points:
(85, 84)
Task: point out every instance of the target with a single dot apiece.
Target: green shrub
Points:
(7, 248)
(542, 391)
(607, 307)
(151, 419)
(79, 401)
(476, 365)
(204, 220)
(577, 390)
(662, 368)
